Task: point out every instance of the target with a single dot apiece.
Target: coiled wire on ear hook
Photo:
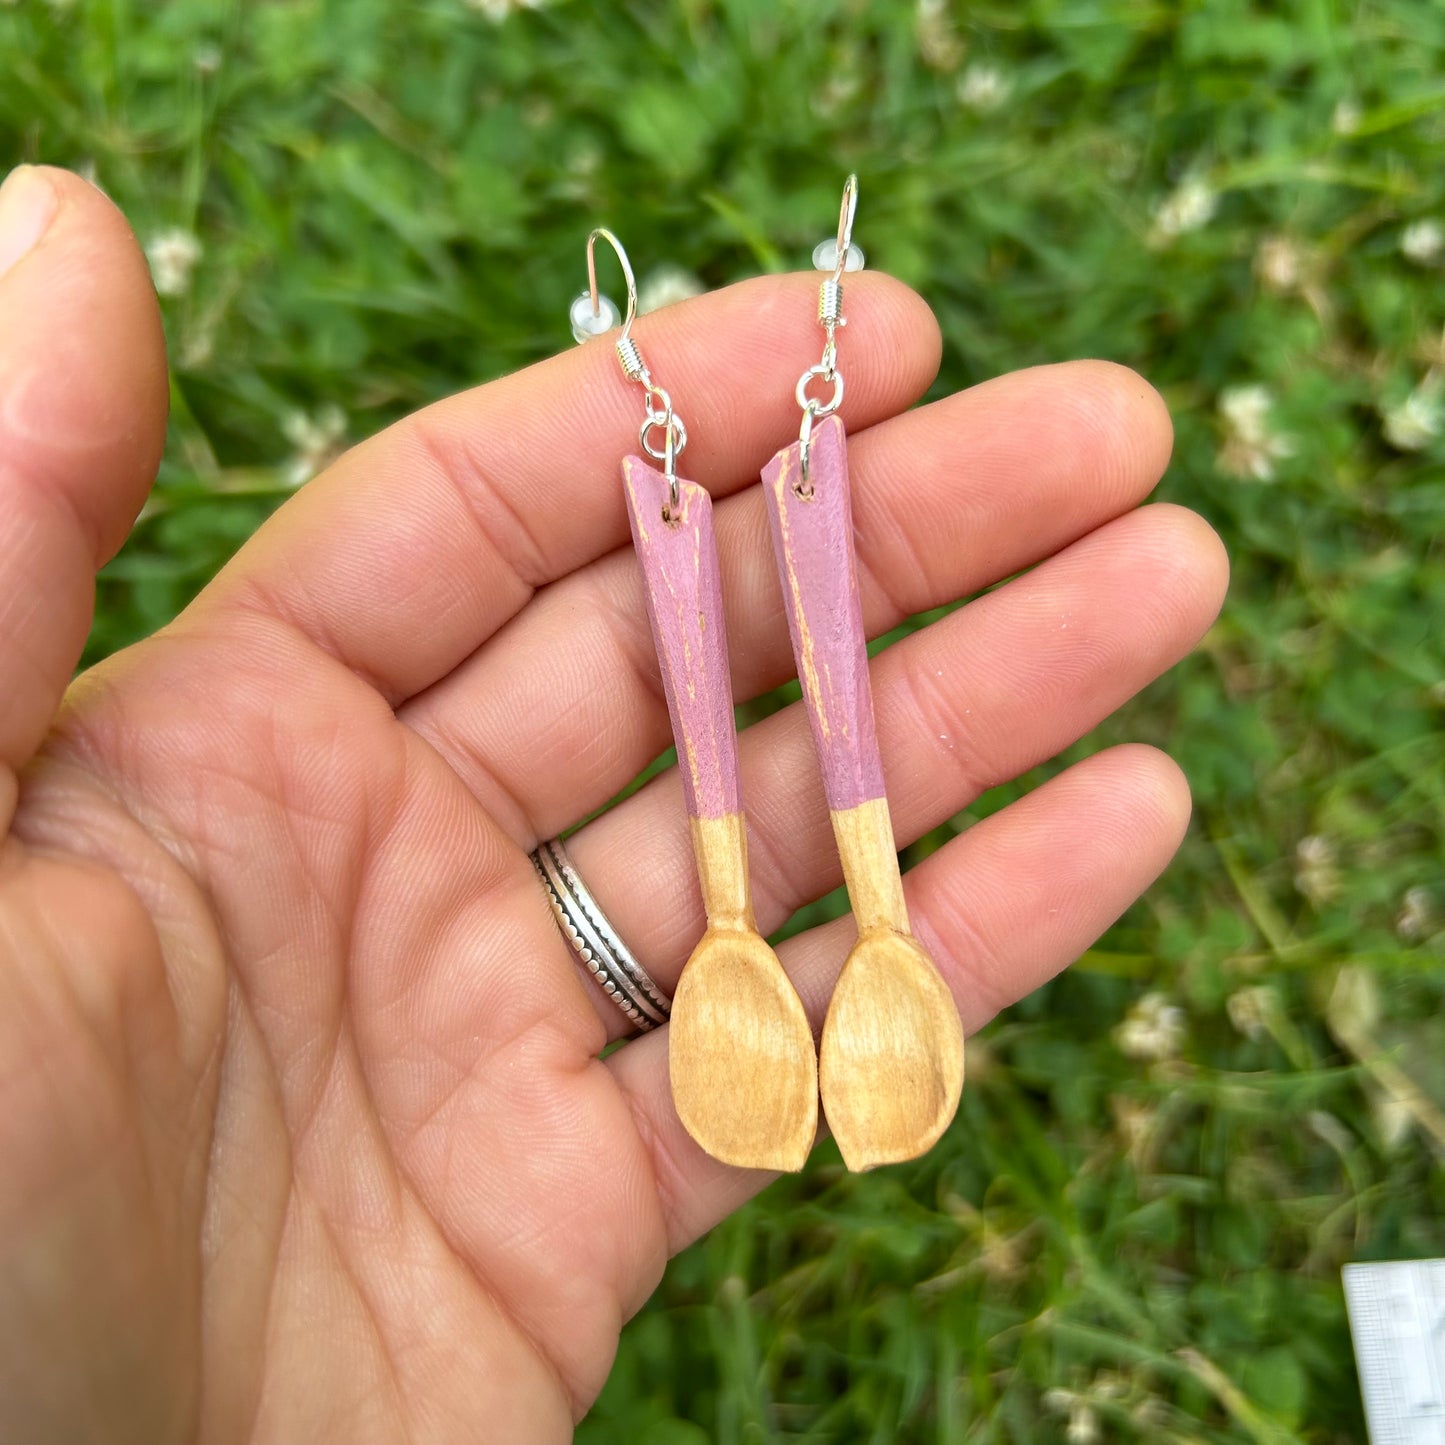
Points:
(592, 314)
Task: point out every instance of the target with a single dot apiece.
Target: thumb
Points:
(82, 421)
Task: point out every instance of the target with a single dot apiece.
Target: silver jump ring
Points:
(823, 373)
(595, 941)
(673, 441)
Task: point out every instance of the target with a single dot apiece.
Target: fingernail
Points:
(27, 205)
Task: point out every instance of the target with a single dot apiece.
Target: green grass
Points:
(391, 199)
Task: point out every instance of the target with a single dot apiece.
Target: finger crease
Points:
(937, 717)
(497, 517)
(871, 576)
(778, 890)
(633, 643)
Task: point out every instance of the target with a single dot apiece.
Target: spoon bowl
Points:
(891, 1063)
(740, 1053)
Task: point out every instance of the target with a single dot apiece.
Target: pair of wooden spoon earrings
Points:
(745, 1079)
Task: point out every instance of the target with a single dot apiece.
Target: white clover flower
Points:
(938, 43)
(666, 285)
(1249, 1009)
(316, 439)
(1188, 207)
(1412, 922)
(206, 57)
(1423, 241)
(1153, 1029)
(1252, 459)
(1415, 422)
(1346, 117)
(1279, 264)
(1316, 874)
(173, 256)
(983, 87)
(1246, 408)
(1250, 446)
(1083, 1426)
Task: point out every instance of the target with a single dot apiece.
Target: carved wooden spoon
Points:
(740, 1051)
(891, 1066)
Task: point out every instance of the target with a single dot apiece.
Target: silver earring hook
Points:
(592, 314)
(620, 251)
(830, 315)
(846, 213)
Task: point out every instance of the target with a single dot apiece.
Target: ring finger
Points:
(966, 703)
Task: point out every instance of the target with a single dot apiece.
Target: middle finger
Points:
(564, 705)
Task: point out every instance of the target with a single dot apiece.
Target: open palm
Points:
(304, 1133)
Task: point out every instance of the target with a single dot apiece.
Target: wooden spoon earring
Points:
(740, 1049)
(891, 1065)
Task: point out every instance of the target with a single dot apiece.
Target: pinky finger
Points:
(1002, 908)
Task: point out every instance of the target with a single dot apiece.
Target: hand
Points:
(303, 1129)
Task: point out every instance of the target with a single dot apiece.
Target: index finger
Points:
(415, 547)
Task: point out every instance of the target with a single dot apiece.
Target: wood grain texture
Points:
(891, 1063)
(685, 608)
(740, 1048)
(720, 848)
(813, 547)
(870, 866)
(741, 1056)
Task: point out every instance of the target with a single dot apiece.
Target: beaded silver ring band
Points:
(595, 941)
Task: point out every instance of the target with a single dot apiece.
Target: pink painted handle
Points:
(813, 542)
(684, 605)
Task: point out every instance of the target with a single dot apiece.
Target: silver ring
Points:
(595, 941)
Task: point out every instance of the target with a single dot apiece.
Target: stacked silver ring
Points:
(585, 927)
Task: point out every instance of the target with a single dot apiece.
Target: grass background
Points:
(391, 199)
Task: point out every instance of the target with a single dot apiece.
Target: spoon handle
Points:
(678, 552)
(812, 526)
